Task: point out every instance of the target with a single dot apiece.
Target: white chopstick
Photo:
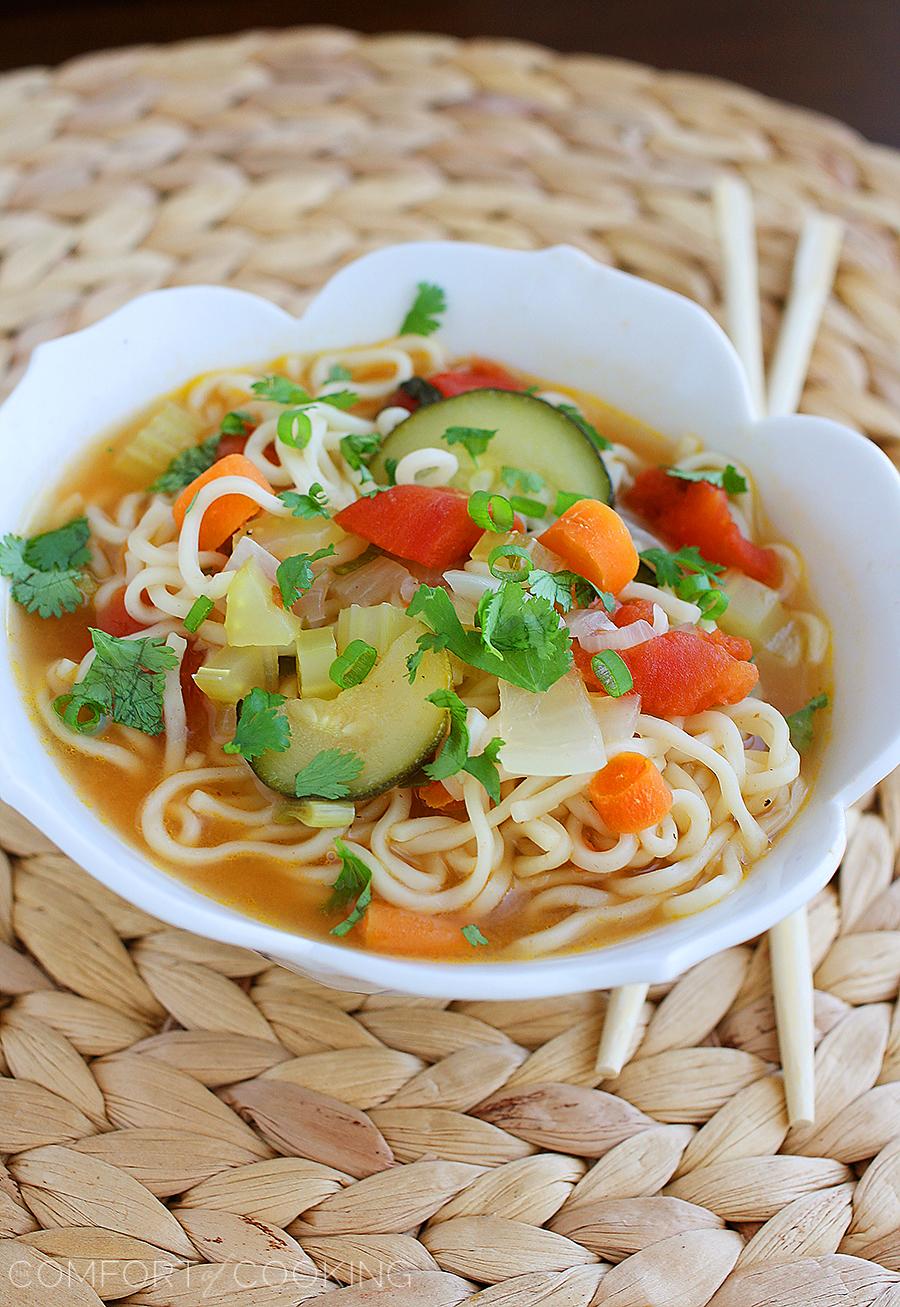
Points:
(740, 277)
(619, 1026)
(815, 264)
(793, 989)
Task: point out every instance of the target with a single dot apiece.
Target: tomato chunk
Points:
(426, 524)
(679, 673)
(480, 374)
(633, 610)
(696, 513)
(115, 619)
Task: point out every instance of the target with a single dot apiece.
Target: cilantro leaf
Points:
(235, 423)
(260, 727)
(326, 775)
(800, 723)
(534, 648)
(337, 372)
(728, 478)
(46, 571)
(295, 575)
(357, 448)
(187, 466)
(422, 318)
(567, 588)
(475, 439)
(281, 391)
(517, 477)
(454, 755)
(422, 391)
(126, 680)
(354, 881)
(313, 504)
(65, 547)
(670, 568)
(472, 935)
(576, 416)
(354, 664)
(429, 642)
(390, 467)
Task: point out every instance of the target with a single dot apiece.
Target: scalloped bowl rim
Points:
(602, 326)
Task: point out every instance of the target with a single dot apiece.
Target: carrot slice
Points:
(435, 794)
(630, 794)
(388, 929)
(225, 515)
(594, 541)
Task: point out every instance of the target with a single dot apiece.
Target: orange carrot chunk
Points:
(225, 515)
(388, 929)
(435, 794)
(630, 794)
(593, 540)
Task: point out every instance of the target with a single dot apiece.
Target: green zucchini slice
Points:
(386, 721)
(531, 435)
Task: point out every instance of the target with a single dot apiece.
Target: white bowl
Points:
(651, 353)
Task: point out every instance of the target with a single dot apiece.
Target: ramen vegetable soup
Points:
(422, 655)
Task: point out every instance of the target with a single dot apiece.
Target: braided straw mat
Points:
(183, 1123)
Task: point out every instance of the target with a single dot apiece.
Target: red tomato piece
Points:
(480, 374)
(633, 610)
(426, 524)
(233, 444)
(115, 619)
(679, 673)
(696, 513)
(194, 699)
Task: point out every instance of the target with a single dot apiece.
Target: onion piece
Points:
(375, 583)
(247, 548)
(470, 585)
(551, 734)
(617, 718)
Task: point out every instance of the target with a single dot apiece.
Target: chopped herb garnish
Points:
(280, 390)
(565, 499)
(326, 775)
(235, 423)
(337, 372)
(47, 571)
(519, 479)
(125, 681)
(454, 755)
(528, 507)
(358, 448)
(728, 478)
(354, 664)
(528, 645)
(423, 317)
(295, 574)
(520, 568)
(612, 672)
(568, 589)
(187, 466)
(670, 568)
(293, 427)
(472, 935)
(491, 512)
(354, 881)
(422, 391)
(260, 727)
(314, 504)
(199, 611)
(576, 416)
(390, 467)
(800, 723)
(475, 439)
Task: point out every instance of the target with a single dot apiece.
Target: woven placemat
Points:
(182, 1123)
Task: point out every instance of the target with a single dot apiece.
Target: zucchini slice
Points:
(531, 435)
(385, 720)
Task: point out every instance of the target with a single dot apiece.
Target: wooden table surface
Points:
(837, 56)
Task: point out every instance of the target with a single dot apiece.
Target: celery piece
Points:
(754, 610)
(252, 617)
(286, 536)
(379, 625)
(316, 651)
(319, 813)
(228, 675)
(148, 453)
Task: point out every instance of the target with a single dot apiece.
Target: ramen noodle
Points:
(422, 655)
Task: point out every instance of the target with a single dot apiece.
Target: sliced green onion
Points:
(565, 499)
(318, 813)
(472, 935)
(512, 573)
(491, 512)
(712, 604)
(612, 672)
(390, 467)
(294, 428)
(69, 709)
(528, 507)
(354, 664)
(199, 611)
